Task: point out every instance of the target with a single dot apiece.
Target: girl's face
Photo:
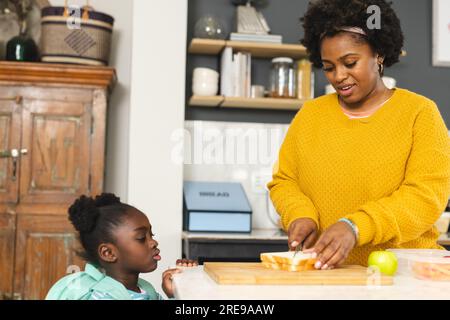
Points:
(351, 67)
(137, 251)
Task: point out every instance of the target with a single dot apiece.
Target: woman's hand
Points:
(334, 246)
(302, 230)
(167, 276)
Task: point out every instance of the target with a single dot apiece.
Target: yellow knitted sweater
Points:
(388, 173)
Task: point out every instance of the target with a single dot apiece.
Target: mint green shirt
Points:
(92, 283)
(143, 295)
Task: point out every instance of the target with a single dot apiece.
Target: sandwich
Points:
(287, 261)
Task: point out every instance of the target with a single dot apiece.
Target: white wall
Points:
(236, 152)
(116, 177)
(157, 110)
(146, 107)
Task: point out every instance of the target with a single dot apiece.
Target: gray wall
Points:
(414, 72)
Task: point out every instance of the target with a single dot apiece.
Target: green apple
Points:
(384, 261)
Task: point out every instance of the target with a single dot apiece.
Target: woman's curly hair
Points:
(326, 17)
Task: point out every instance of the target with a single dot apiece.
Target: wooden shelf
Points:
(201, 101)
(257, 49)
(247, 103)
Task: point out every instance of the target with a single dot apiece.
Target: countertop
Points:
(195, 284)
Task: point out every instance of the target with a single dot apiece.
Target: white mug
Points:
(205, 82)
(205, 88)
(205, 73)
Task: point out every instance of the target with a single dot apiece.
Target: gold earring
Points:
(381, 68)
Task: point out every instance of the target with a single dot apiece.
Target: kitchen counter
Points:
(195, 284)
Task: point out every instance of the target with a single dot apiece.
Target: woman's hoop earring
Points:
(381, 69)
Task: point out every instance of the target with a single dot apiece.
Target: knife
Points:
(298, 248)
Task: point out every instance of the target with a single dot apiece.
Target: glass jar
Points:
(282, 78)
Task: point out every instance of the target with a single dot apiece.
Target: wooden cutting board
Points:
(256, 273)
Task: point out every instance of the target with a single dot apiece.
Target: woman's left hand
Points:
(333, 246)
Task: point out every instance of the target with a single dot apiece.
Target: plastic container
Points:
(205, 82)
(424, 264)
(282, 78)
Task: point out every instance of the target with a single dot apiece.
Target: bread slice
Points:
(287, 261)
(288, 267)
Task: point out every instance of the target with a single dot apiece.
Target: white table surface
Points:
(195, 284)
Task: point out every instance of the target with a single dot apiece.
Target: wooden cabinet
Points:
(57, 137)
(47, 250)
(10, 125)
(52, 145)
(7, 241)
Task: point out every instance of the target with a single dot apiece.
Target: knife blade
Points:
(298, 248)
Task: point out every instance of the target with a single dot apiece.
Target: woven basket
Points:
(83, 41)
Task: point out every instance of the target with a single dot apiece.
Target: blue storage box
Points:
(216, 207)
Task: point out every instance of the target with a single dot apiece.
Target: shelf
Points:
(257, 49)
(247, 103)
(206, 46)
(201, 101)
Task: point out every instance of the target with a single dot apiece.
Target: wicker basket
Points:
(83, 41)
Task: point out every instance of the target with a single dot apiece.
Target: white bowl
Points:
(206, 79)
(205, 89)
(205, 72)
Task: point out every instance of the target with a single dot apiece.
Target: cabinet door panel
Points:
(45, 252)
(57, 136)
(7, 240)
(9, 139)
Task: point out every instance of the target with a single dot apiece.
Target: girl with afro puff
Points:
(366, 168)
(118, 244)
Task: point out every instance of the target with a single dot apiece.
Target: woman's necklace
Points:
(363, 114)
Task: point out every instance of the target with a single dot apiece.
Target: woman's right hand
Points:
(302, 230)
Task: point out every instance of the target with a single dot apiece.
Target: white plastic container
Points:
(205, 82)
(424, 264)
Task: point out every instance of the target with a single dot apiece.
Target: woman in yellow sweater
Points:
(366, 168)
